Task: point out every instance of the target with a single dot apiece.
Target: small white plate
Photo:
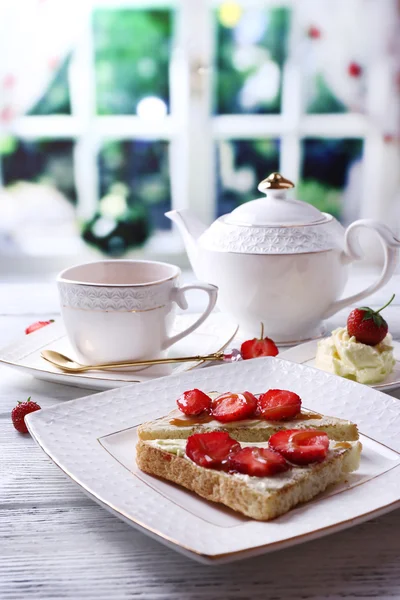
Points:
(24, 354)
(93, 441)
(305, 354)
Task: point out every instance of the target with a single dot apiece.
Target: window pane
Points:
(251, 50)
(241, 167)
(132, 53)
(331, 176)
(135, 194)
(42, 161)
(337, 48)
(321, 98)
(56, 98)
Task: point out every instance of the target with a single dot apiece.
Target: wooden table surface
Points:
(57, 543)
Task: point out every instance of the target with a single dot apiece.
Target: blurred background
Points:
(114, 111)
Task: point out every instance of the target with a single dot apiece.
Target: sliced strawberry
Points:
(38, 325)
(278, 405)
(193, 402)
(233, 407)
(300, 446)
(211, 449)
(258, 462)
(258, 347)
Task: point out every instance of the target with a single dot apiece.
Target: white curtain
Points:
(35, 37)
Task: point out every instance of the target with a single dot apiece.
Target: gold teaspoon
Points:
(67, 364)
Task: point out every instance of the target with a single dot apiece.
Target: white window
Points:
(278, 115)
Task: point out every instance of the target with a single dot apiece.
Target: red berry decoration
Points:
(313, 32)
(38, 325)
(354, 69)
(257, 462)
(389, 138)
(9, 81)
(254, 348)
(20, 411)
(233, 407)
(278, 405)
(6, 114)
(193, 402)
(300, 446)
(367, 325)
(211, 449)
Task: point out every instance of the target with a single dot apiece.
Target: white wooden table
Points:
(56, 543)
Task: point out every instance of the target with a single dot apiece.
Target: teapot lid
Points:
(275, 210)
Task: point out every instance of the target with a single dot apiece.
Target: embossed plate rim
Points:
(68, 433)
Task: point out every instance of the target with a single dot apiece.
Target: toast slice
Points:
(261, 498)
(176, 425)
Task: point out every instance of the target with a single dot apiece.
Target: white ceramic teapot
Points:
(280, 262)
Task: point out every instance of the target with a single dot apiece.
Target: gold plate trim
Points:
(18, 365)
(216, 557)
(245, 518)
(99, 439)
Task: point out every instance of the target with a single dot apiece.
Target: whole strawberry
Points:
(20, 411)
(367, 325)
(254, 348)
(37, 325)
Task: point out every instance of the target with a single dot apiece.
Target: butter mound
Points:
(343, 355)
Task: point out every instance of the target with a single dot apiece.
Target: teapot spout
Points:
(190, 227)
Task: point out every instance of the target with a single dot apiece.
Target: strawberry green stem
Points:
(387, 304)
(262, 331)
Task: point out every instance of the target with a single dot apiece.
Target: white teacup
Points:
(120, 310)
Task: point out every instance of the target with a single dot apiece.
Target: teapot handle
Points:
(352, 252)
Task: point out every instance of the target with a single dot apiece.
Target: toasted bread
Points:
(247, 430)
(261, 498)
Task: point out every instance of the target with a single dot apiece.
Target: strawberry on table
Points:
(233, 407)
(300, 446)
(256, 347)
(367, 325)
(278, 405)
(38, 325)
(211, 449)
(193, 402)
(257, 462)
(19, 413)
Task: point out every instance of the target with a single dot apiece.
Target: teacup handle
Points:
(178, 296)
(390, 246)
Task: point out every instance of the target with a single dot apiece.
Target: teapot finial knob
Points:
(275, 181)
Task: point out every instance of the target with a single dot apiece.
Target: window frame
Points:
(191, 128)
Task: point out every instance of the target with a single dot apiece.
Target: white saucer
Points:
(304, 354)
(24, 354)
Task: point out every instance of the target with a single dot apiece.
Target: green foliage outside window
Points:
(230, 79)
(132, 50)
(56, 99)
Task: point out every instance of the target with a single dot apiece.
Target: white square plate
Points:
(93, 441)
